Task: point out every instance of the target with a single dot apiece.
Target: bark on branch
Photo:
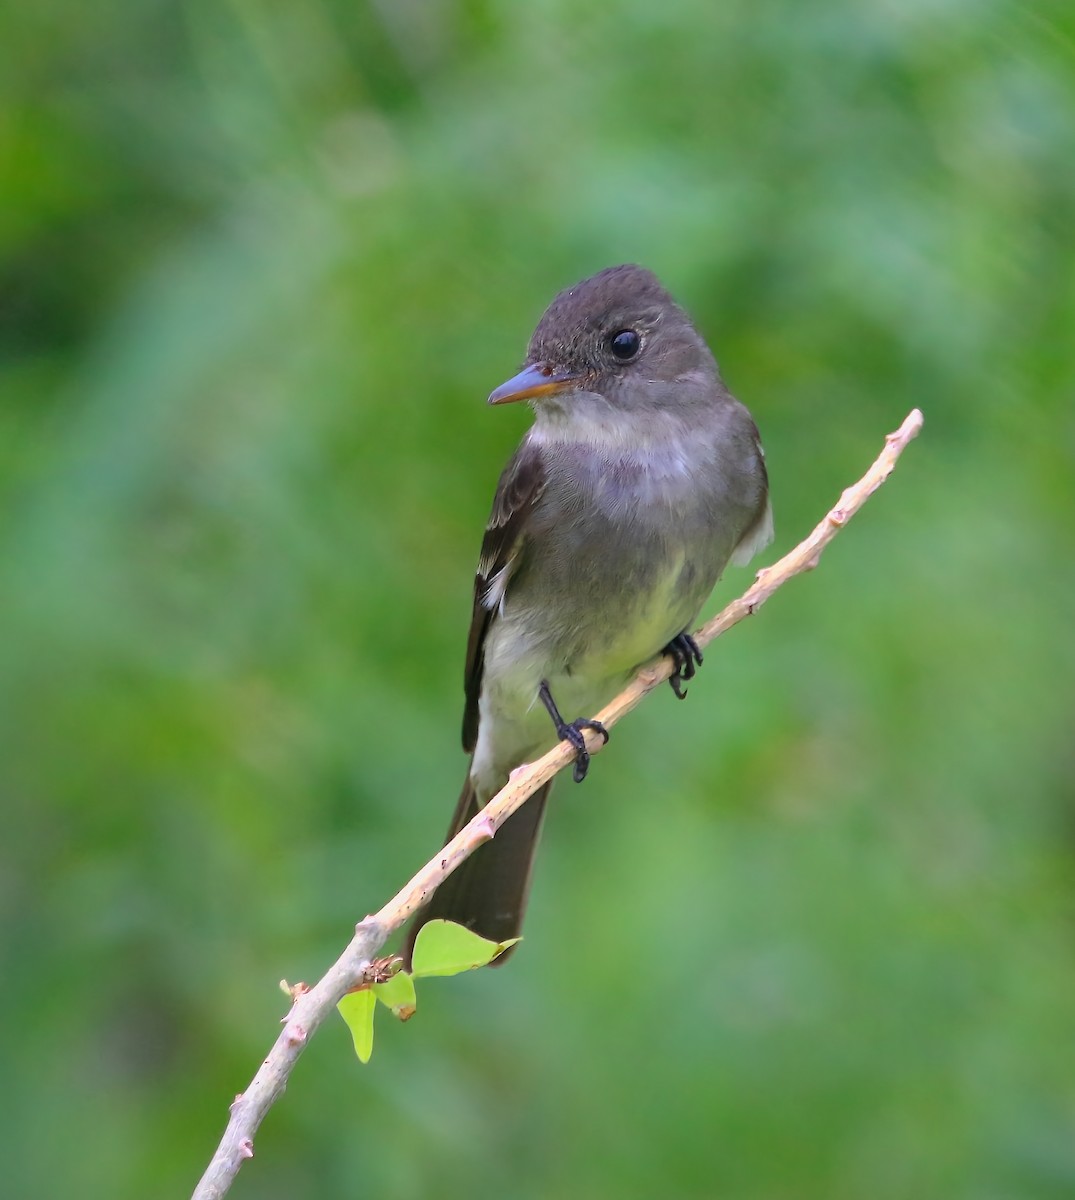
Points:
(311, 1006)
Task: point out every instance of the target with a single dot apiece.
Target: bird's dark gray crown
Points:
(580, 318)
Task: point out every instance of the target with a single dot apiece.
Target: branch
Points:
(311, 1006)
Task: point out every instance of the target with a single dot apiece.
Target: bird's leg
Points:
(684, 652)
(571, 731)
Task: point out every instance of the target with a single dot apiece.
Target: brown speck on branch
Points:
(314, 1004)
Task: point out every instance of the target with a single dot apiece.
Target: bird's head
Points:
(617, 339)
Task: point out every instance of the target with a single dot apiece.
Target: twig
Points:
(311, 1006)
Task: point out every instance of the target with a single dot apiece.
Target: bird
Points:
(639, 480)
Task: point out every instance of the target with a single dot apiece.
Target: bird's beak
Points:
(538, 379)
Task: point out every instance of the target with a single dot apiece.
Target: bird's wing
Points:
(517, 494)
(759, 533)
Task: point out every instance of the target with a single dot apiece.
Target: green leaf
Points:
(357, 1009)
(398, 994)
(444, 948)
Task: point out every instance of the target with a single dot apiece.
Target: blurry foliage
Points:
(259, 266)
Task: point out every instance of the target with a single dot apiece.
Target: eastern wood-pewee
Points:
(640, 479)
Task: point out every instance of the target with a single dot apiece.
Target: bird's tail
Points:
(488, 892)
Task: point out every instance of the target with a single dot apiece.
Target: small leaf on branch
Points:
(357, 1010)
(397, 993)
(445, 948)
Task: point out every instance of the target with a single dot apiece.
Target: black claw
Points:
(684, 652)
(573, 734)
(571, 731)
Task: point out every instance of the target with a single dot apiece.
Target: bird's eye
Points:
(625, 344)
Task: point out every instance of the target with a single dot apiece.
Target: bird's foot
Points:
(571, 731)
(684, 652)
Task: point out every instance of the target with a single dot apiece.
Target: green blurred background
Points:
(809, 934)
